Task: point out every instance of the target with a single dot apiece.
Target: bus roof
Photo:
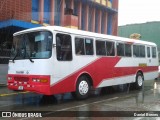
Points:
(84, 33)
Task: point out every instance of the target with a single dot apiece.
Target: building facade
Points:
(90, 15)
(99, 16)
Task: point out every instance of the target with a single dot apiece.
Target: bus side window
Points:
(100, 47)
(79, 46)
(110, 48)
(154, 53)
(64, 47)
(88, 46)
(136, 50)
(148, 52)
(142, 51)
(128, 50)
(120, 49)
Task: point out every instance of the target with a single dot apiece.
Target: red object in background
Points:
(71, 20)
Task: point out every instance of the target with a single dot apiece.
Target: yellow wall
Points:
(98, 1)
(109, 4)
(104, 2)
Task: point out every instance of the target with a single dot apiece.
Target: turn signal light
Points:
(43, 80)
(39, 80)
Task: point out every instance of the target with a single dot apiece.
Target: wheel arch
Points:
(139, 71)
(84, 74)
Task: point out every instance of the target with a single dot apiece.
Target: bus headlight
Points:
(38, 80)
(9, 78)
(34, 80)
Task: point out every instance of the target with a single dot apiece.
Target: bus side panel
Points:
(151, 75)
(105, 71)
(99, 70)
(146, 65)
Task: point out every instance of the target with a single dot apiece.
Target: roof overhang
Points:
(17, 23)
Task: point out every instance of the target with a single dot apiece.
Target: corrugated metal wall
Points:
(149, 31)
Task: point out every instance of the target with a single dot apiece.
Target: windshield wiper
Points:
(29, 57)
(14, 57)
(17, 51)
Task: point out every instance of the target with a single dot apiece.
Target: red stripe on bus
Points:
(27, 84)
(99, 70)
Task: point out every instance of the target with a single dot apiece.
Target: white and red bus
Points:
(54, 60)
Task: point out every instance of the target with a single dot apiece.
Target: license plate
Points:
(20, 87)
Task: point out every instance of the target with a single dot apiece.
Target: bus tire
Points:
(139, 81)
(82, 88)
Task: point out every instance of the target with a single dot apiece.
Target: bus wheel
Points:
(139, 81)
(82, 88)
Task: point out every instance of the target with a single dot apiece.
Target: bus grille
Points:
(24, 79)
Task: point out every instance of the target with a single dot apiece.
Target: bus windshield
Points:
(33, 45)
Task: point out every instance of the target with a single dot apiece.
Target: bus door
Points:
(152, 62)
(149, 60)
(152, 57)
(63, 56)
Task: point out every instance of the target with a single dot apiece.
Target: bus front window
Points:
(34, 45)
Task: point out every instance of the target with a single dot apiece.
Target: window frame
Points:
(135, 55)
(61, 47)
(76, 53)
(140, 51)
(155, 48)
(123, 49)
(84, 47)
(148, 51)
(105, 41)
(113, 48)
(104, 46)
(92, 45)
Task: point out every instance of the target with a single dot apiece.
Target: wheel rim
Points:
(83, 87)
(140, 80)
